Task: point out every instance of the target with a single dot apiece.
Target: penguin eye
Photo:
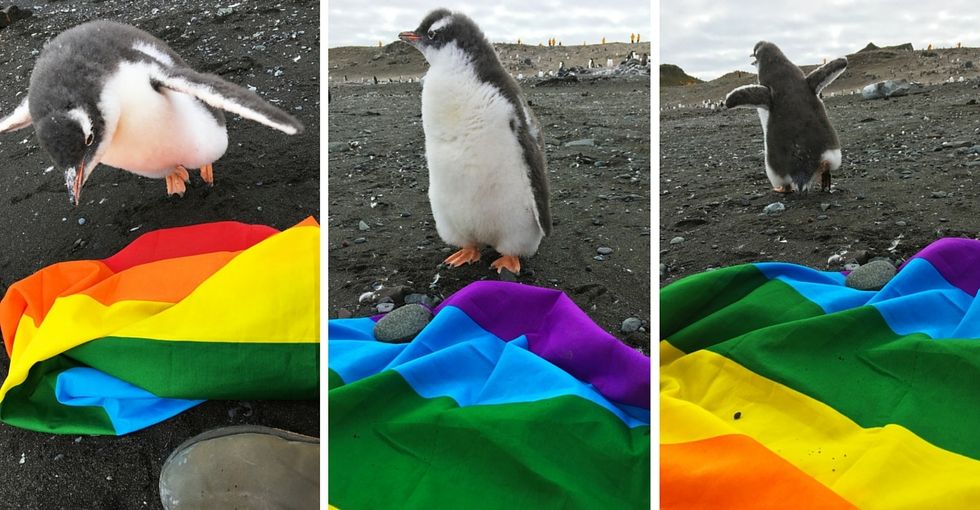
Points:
(433, 35)
(89, 139)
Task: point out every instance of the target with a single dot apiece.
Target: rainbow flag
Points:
(510, 398)
(783, 388)
(213, 311)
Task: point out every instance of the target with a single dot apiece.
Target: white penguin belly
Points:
(775, 179)
(156, 131)
(479, 186)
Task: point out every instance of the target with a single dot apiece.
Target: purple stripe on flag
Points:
(560, 332)
(958, 260)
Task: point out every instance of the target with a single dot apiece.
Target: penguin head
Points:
(766, 53)
(444, 33)
(71, 138)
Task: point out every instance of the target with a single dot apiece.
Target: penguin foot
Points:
(508, 262)
(207, 174)
(786, 188)
(467, 255)
(176, 180)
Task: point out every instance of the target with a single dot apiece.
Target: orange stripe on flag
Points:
(737, 472)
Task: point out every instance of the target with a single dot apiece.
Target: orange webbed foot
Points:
(508, 262)
(207, 174)
(467, 255)
(176, 180)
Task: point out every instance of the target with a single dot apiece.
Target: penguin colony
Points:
(485, 151)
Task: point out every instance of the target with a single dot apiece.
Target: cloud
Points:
(708, 38)
(364, 23)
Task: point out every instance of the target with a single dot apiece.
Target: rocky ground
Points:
(383, 246)
(909, 177)
(265, 177)
(398, 61)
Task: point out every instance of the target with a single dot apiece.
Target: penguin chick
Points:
(483, 146)
(801, 145)
(105, 92)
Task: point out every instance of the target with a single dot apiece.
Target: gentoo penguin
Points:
(801, 146)
(104, 92)
(483, 145)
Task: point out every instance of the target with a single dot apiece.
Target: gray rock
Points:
(604, 250)
(677, 240)
(507, 276)
(822, 217)
(630, 325)
(852, 266)
(386, 307)
(362, 226)
(939, 194)
(824, 206)
(420, 299)
(663, 269)
(774, 208)
(360, 240)
(886, 89)
(337, 147)
(585, 142)
(901, 223)
(871, 276)
(402, 324)
(599, 258)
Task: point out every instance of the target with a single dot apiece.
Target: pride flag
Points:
(510, 398)
(213, 311)
(783, 388)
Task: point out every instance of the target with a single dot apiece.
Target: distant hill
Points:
(673, 76)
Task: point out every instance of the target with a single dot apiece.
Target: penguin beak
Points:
(410, 37)
(76, 187)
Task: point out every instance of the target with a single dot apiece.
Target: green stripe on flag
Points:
(387, 444)
(32, 404)
(201, 370)
(709, 307)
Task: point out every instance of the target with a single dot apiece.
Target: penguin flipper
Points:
(749, 96)
(221, 94)
(826, 74)
(20, 118)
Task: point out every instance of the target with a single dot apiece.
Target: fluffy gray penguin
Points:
(487, 180)
(105, 92)
(801, 145)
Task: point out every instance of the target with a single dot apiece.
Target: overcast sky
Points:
(365, 22)
(708, 38)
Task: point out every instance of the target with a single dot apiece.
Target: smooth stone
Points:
(402, 324)
(604, 250)
(630, 325)
(677, 240)
(871, 276)
(774, 208)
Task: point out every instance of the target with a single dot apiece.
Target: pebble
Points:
(360, 240)
(81, 221)
(774, 208)
(677, 240)
(630, 325)
(871, 276)
(901, 223)
(852, 266)
(344, 314)
(386, 307)
(822, 217)
(420, 299)
(402, 324)
(604, 250)
(337, 147)
(585, 142)
(507, 276)
(939, 194)
(824, 206)
(600, 258)
(362, 226)
(663, 269)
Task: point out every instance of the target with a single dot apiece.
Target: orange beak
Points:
(77, 187)
(409, 37)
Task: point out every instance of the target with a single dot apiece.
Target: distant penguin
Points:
(591, 63)
(801, 145)
(484, 147)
